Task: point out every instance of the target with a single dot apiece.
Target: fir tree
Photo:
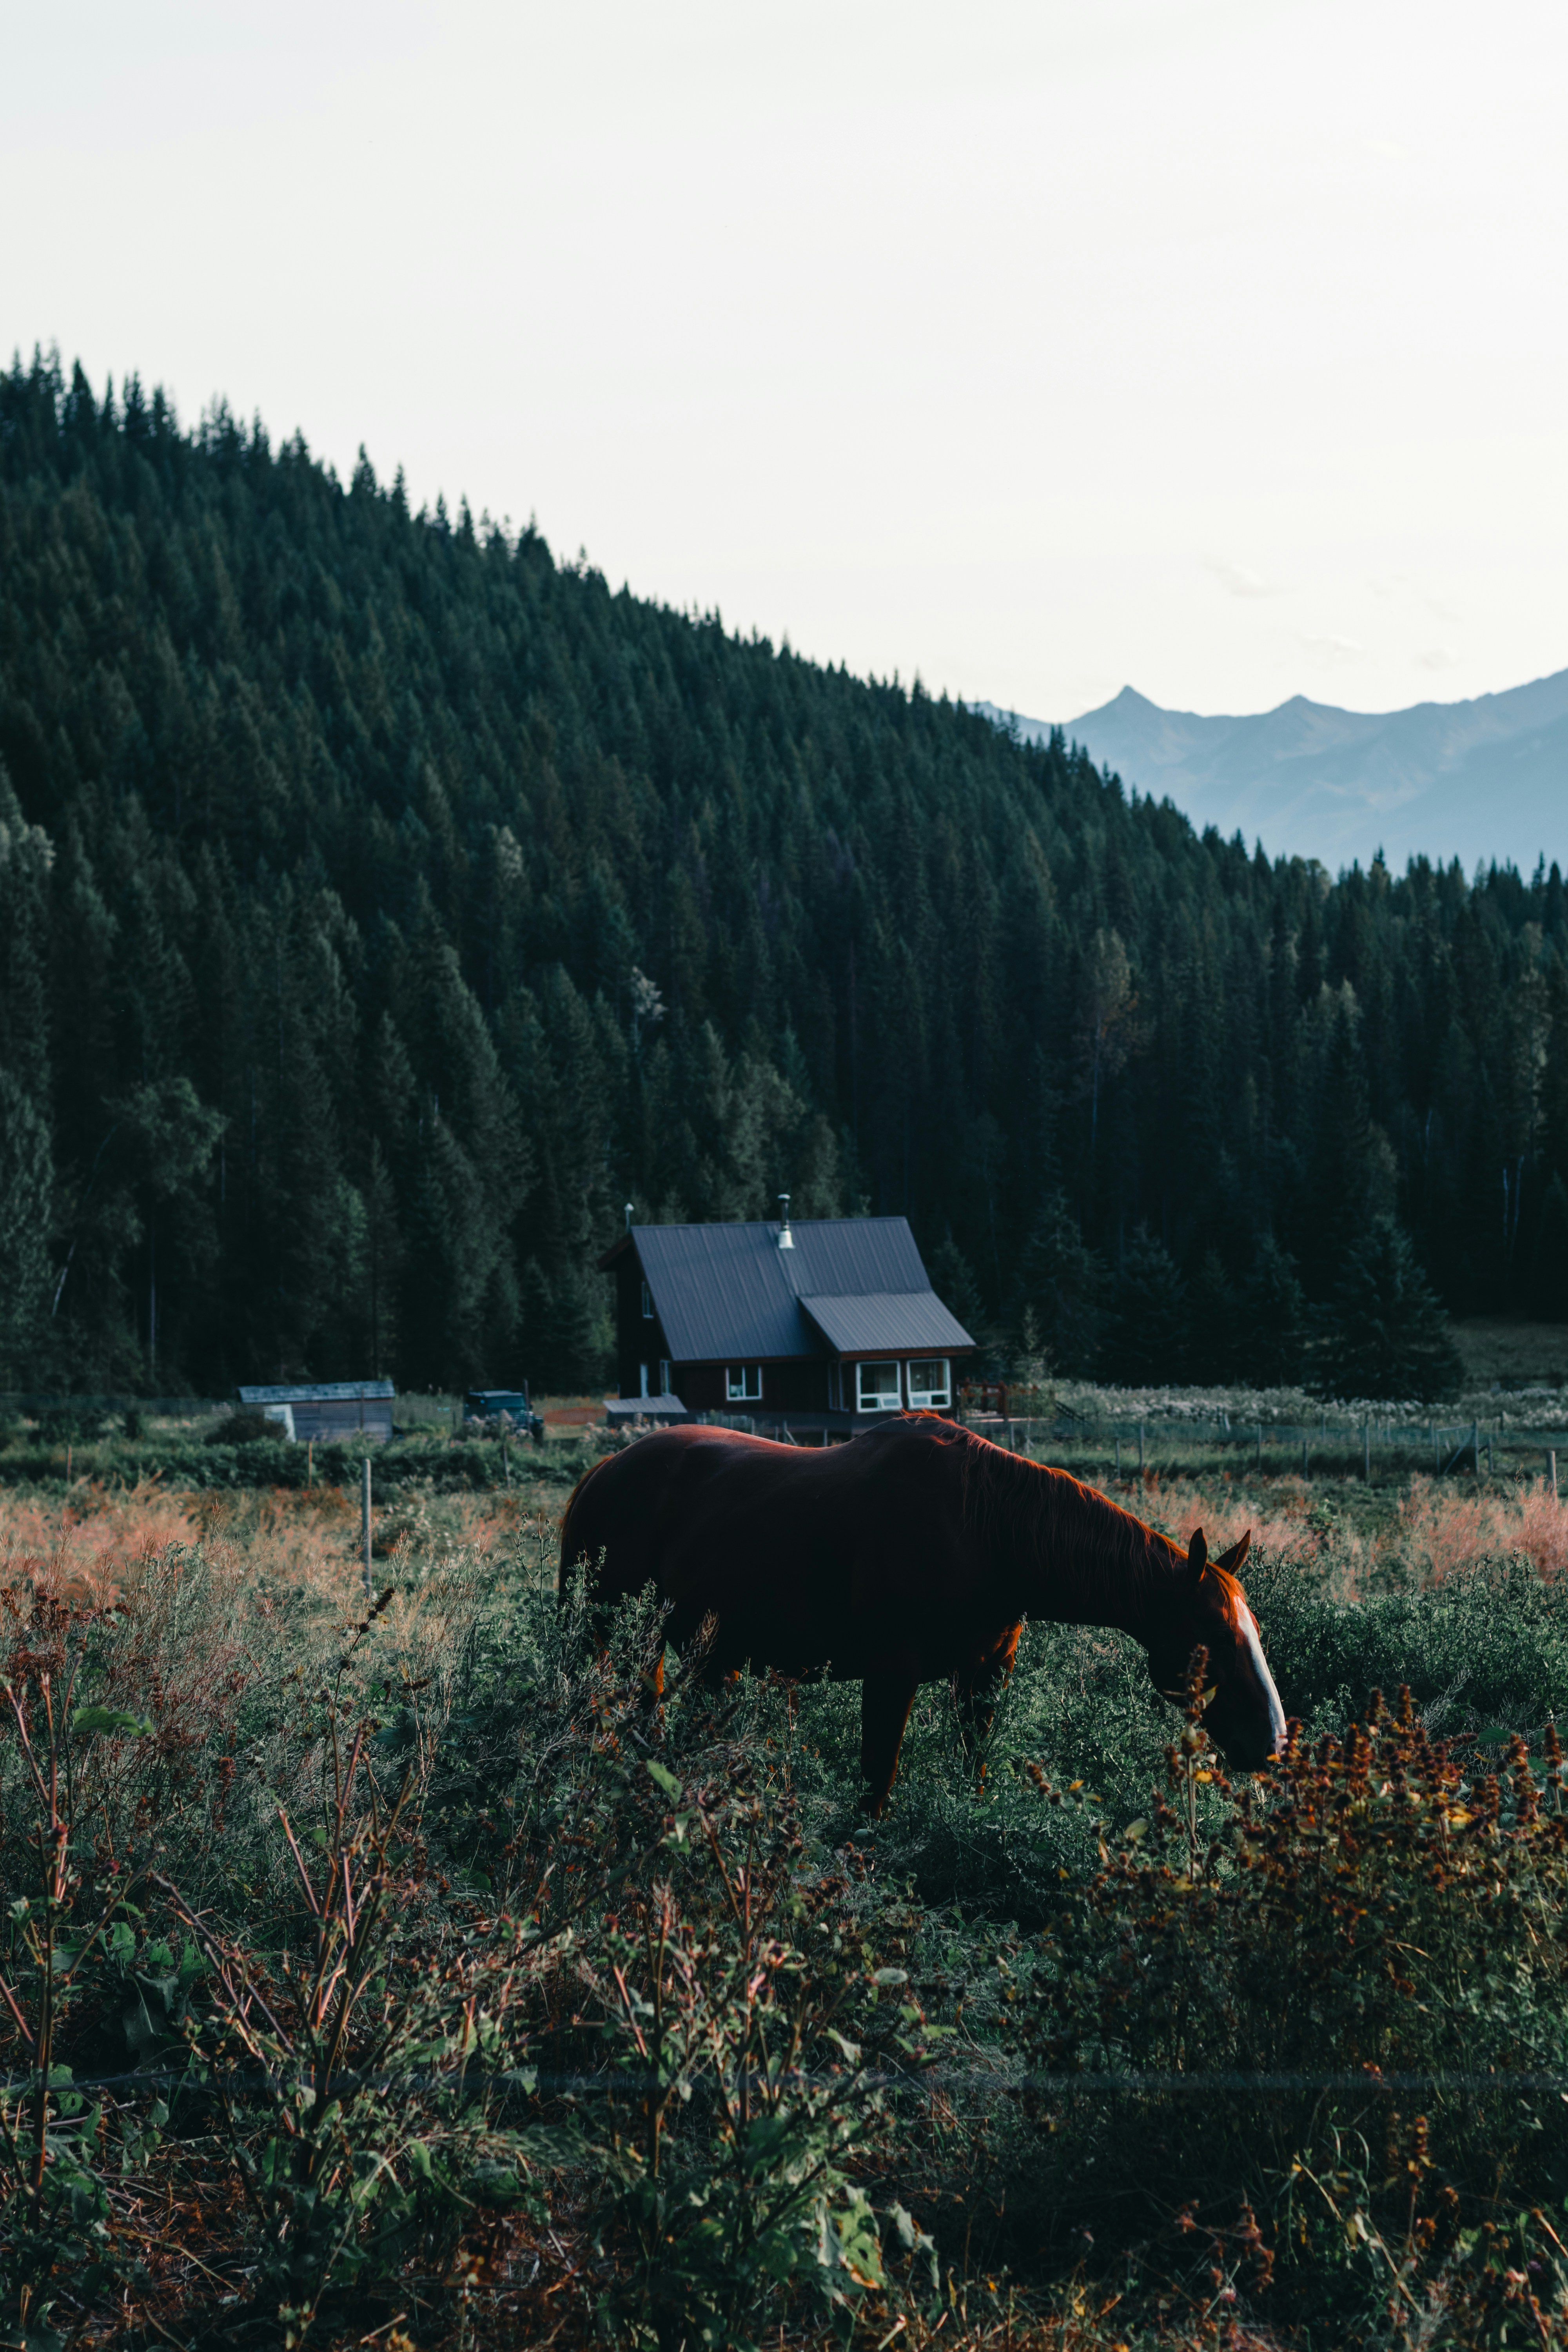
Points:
(1387, 1336)
(952, 1279)
(1274, 1323)
(1062, 1283)
(26, 1208)
(1149, 1340)
(1215, 1339)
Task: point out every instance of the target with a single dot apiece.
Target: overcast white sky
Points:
(1034, 346)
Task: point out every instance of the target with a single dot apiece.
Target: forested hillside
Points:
(384, 903)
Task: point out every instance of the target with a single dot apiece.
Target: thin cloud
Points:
(1335, 648)
(1236, 577)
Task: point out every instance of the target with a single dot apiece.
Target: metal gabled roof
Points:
(729, 1294)
(319, 1392)
(899, 1320)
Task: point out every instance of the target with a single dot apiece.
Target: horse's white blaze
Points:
(1249, 1625)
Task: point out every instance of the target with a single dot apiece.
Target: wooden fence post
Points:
(1260, 1449)
(1139, 1449)
(1551, 1457)
(1119, 1454)
(1303, 1453)
(364, 1520)
(1366, 1452)
(1476, 1444)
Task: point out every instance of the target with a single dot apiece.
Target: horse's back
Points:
(798, 1552)
(634, 1516)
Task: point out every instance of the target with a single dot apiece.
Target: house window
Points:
(930, 1384)
(877, 1387)
(664, 1386)
(743, 1384)
(646, 1303)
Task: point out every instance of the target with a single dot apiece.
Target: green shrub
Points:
(243, 1428)
(1486, 1648)
(1339, 1997)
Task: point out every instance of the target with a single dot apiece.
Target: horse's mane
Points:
(1116, 1556)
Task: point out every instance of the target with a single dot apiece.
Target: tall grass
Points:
(404, 1974)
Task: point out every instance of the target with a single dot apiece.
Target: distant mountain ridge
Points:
(1484, 779)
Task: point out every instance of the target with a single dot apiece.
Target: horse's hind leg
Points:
(887, 1695)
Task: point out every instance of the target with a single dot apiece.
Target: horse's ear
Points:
(1197, 1555)
(1232, 1560)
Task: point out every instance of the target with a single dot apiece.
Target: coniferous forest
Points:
(384, 903)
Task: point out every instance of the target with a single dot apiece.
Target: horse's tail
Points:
(569, 1551)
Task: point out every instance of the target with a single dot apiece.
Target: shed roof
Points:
(319, 1392)
(729, 1294)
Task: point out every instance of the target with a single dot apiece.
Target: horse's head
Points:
(1206, 1604)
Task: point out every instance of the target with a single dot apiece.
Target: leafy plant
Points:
(55, 2243)
(1298, 1955)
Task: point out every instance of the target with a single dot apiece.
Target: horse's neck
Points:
(1076, 1558)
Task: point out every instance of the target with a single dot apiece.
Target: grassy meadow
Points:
(386, 1976)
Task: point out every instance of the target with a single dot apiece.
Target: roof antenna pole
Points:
(786, 1239)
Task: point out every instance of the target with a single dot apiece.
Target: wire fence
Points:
(1327, 1446)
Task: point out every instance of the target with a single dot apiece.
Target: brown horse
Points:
(913, 1555)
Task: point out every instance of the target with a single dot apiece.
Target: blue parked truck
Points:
(489, 1404)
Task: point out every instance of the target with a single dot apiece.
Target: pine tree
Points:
(952, 1279)
(1150, 1337)
(1350, 1179)
(1214, 1349)
(1274, 1323)
(27, 1207)
(26, 857)
(1062, 1283)
(1387, 1336)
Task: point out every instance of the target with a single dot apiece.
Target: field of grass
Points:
(391, 1978)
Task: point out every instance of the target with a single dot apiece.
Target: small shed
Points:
(325, 1410)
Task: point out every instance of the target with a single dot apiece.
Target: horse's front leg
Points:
(976, 1687)
(887, 1695)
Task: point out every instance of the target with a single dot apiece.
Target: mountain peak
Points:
(1482, 780)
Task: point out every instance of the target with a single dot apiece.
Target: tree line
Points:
(384, 903)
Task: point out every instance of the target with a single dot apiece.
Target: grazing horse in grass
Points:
(913, 1555)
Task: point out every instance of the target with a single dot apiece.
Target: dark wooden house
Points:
(819, 1327)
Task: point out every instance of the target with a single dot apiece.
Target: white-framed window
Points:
(929, 1381)
(877, 1387)
(664, 1388)
(743, 1384)
(646, 1303)
(642, 1370)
